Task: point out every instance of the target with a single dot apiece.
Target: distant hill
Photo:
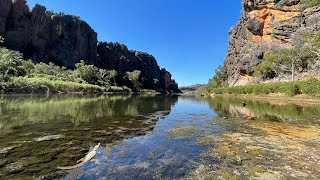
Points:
(191, 88)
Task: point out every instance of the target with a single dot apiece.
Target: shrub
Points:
(44, 85)
(309, 87)
(309, 3)
(10, 64)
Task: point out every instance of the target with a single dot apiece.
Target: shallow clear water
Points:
(142, 137)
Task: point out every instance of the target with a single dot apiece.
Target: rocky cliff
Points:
(118, 57)
(44, 36)
(265, 27)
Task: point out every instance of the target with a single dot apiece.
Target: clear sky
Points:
(187, 37)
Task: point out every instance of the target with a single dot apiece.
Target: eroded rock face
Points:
(265, 27)
(47, 37)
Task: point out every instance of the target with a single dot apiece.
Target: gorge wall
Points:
(44, 36)
(265, 27)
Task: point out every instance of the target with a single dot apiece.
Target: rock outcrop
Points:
(44, 36)
(265, 27)
(47, 37)
(118, 57)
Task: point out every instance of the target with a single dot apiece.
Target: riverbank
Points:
(275, 98)
(310, 87)
(26, 85)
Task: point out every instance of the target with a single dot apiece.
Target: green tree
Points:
(292, 57)
(132, 79)
(266, 69)
(87, 73)
(309, 3)
(10, 64)
(219, 79)
(112, 74)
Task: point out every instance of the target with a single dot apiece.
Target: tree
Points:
(220, 78)
(132, 79)
(266, 69)
(10, 64)
(292, 57)
(112, 74)
(88, 73)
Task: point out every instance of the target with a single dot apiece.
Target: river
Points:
(157, 137)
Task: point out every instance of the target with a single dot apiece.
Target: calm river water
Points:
(156, 137)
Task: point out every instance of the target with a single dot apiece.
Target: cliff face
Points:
(44, 36)
(265, 27)
(118, 57)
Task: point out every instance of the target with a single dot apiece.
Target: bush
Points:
(44, 85)
(308, 87)
(119, 89)
(10, 64)
(309, 3)
(265, 69)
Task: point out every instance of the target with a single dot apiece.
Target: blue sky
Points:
(188, 37)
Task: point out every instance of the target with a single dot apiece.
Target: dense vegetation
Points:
(22, 76)
(309, 87)
(309, 3)
(298, 59)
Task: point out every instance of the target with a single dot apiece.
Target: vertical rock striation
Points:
(47, 37)
(265, 27)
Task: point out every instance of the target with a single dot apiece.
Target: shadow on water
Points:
(39, 133)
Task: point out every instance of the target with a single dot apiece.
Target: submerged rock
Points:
(49, 138)
(14, 167)
(6, 149)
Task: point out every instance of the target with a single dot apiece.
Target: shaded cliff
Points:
(44, 36)
(118, 57)
(265, 27)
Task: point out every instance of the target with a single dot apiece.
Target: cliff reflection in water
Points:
(306, 114)
(17, 111)
(39, 133)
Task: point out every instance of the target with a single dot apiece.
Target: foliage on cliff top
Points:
(309, 3)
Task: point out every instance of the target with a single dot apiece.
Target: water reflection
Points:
(38, 133)
(307, 114)
(17, 111)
